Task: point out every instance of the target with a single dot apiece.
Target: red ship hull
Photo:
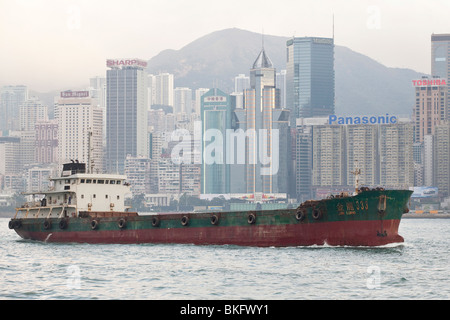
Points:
(350, 233)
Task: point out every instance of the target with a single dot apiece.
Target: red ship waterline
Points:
(85, 207)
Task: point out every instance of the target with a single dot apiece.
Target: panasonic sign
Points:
(386, 119)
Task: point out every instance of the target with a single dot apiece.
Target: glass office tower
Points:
(440, 61)
(267, 152)
(310, 77)
(215, 115)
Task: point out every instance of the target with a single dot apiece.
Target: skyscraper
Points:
(198, 100)
(362, 149)
(442, 162)
(46, 143)
(310, 77)
(328, 153)
(182, 101)
(440, 61)
(396, 155)
(215, 115)
(281, 85)
(11, 97)
(303, 161)
(164, 89)
(97, 90)
(267, 151)
(241, 82)
(329, 160)
(78, 115)
(31, 111)
(430, 108)
(127, 121)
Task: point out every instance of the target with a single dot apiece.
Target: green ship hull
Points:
(370, 218)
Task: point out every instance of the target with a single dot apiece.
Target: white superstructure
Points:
(76, 192)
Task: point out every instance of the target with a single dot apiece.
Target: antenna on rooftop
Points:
(90, 149)
(333, 27)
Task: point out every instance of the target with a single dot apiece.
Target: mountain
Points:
(217, 58)
(363, 86)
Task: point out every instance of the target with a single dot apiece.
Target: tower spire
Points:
(262, 38)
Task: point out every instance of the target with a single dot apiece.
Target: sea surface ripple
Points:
(415, 269)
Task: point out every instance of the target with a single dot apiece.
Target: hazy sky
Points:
(59, 44)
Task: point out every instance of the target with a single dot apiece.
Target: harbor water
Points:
(419, 268)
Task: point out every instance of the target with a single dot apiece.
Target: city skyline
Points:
(75, 37)
(132, 92)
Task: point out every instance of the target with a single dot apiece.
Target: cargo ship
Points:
(86, 207)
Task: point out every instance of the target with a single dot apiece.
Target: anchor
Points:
(382, 233)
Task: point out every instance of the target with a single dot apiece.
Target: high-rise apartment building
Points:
(241, 83)
(326, 154)
(137, 170)
(440, 61)
(46, 143)
(97, 91)
(164, 89)
(27, 147)
(182, 101)
(310, 77)
(38, 178)
(151, 89)
(178, 179)
(198, 100)
(11, 98)
(10, 155)
(442, 159)
(418, 158)
(80, 123)
(428, 160)
(31, 111)
(362, 151)
(329, 160)
(396, 155)
(127, 121)
(430, 108)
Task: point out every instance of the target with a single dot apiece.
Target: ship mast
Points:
(90, 149)
(356, 173)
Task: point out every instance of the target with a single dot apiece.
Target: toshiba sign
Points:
(429, 82)
(118, 63)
